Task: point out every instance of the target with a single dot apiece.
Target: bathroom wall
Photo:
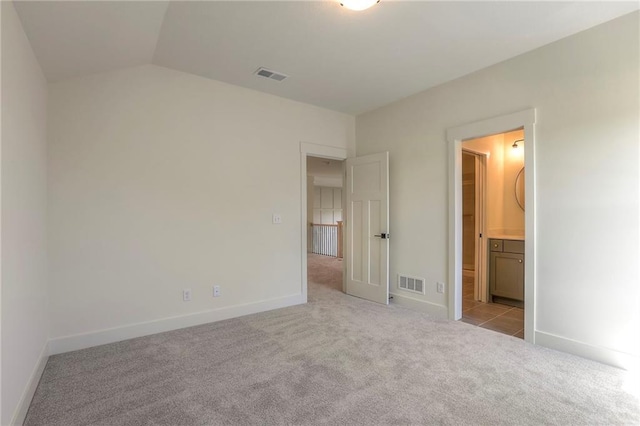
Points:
(513, 162)
(503, 216)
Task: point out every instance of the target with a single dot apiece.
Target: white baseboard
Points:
(438, 311)
(597, 353)
(101, 337)
(25, 400)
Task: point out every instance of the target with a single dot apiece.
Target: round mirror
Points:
(520, 188)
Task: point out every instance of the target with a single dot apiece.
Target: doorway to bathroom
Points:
(493, 229)
(507, 252)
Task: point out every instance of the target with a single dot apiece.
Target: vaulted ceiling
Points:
(335, 58)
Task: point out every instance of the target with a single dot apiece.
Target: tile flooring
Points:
(494, 316)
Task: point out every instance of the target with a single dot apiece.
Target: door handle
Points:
(382, 236)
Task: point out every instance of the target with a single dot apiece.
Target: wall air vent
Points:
(273, 75)
(412, 284)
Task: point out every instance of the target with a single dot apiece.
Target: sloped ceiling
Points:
(336, 58)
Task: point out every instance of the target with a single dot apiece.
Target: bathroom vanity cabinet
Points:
(506, 271)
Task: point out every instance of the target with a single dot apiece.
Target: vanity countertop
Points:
(506, 237)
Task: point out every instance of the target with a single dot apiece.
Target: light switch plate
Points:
(277, 219)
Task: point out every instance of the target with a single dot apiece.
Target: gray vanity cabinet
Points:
(506, 271)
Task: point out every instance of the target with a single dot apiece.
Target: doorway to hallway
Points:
(325, 240)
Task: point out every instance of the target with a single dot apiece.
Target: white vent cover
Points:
(273, 75)
(413, 284)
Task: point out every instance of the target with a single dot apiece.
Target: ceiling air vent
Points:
(412, 284)
(273, 75)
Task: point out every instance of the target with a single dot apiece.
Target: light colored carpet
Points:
(336, 360)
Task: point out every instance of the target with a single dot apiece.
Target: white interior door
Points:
(367, 224)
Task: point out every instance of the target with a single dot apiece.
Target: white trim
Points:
(524, 119)
(314, 150)
(101, 337)
(20, 413)
(323, 151)
(438, 311)
(492, 126)
(597, 353)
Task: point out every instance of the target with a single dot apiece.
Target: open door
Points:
(367, 242)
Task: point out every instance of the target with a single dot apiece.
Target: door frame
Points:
(321, 151)
(480, 257)
(455, 135)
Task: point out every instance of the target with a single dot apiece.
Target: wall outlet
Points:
(277, 219)
(216, 291)
(440, 287)
(186, 295)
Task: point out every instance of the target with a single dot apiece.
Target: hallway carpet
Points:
(337, 360)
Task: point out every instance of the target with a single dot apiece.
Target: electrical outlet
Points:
(216, 291)
(276, 219)
(440, 287)
(186, 295)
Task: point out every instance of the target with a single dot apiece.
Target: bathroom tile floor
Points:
(494, 316)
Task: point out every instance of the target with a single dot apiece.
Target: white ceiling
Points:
(336, 58)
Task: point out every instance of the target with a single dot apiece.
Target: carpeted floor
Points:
(336, 360)
(324, 271)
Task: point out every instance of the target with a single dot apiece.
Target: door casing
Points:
(520, 120)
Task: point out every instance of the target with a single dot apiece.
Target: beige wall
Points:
(161, 181)
(23, 228)
(493, 147)
(513, 161)
(503, 162)
(585, 89)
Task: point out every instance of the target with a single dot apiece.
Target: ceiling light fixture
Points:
(515, 144)
(358, 4)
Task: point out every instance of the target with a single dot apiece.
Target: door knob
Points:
(382, 236)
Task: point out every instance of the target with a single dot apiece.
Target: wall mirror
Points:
(519, 188)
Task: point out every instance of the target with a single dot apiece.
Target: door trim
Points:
(520, 120)
(321, 151)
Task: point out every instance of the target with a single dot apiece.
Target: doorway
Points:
(492, 183)
(524, 121)
(325, 229)
(366, 203)
(319, 151)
